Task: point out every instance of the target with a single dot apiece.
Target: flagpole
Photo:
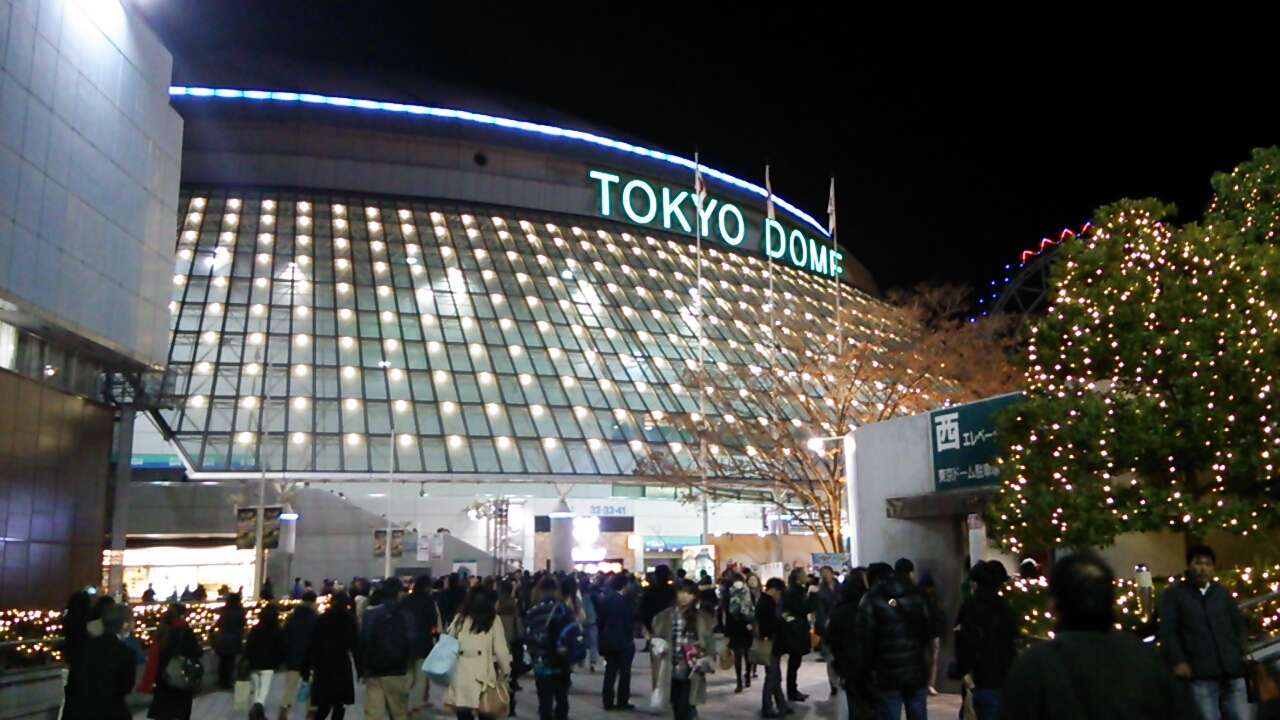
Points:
(773, 305)
(835, 275)
(698, 191)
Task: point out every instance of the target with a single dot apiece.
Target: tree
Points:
(915, 353)
(1149, 378)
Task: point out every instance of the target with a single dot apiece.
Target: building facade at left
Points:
(90, 153)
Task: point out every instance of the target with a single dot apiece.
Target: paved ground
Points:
(585, 704)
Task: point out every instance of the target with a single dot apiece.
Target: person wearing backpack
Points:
(426, 618)
(550, 629)
(386, 643)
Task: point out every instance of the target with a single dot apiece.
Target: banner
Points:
(397, 543)
(772, 570)
(246, 528)
(379, 543)
(430, 547)
(835, 561)
(271, 527)
(466, 568)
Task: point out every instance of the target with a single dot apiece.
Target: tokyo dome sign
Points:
(647, 203)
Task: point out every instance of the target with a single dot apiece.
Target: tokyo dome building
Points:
(394, 275)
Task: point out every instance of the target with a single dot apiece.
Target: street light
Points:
(817, 444)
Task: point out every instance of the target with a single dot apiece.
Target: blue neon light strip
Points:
(521, 125)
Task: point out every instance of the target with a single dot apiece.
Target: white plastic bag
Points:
(440, 664)
(655, 699)
(842, 704)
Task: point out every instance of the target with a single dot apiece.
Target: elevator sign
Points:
(650, 204)
(964, 443)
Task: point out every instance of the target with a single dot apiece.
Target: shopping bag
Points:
(304, 693)
(494, 700)
(655, 699)
(842, 705)
(726, 659)
(443, 659)
(1259, 684)
(240, 701)
(761, 650)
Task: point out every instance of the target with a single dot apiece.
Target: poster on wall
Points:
(379, 543)
(466, 568)
(397, 543)
(835, 561)
(246, 528)
(430, 547)
(772, 570)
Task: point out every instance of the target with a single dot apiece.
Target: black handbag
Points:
(181, 672)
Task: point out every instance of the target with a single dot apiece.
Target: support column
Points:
(562, 537)
(120, 504)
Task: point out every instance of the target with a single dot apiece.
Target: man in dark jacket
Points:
(823, 601)
(894, 627)
(543, 624)
(387, 638)
(426, 616)
(616, 613)
(297, 638)
(98, 684)
(797, 603)
(1089, 670)
(986, 637)
(770, 627)
(1202, 633)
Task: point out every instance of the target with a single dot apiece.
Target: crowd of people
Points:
(876, 628)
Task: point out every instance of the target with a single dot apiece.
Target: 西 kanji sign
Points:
(964, 443)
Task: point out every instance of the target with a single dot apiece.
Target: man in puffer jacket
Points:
(894, 626)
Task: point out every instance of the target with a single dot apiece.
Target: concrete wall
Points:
(89, 167)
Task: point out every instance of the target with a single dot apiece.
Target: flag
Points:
(831, 209)
(768, 188)
(699, 186)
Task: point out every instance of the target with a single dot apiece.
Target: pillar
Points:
(120, 504)
(562, 537)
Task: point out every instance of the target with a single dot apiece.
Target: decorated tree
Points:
(1150, 377)
(759, 425)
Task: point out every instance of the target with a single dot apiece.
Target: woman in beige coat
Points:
(484, 659)
(682, 647)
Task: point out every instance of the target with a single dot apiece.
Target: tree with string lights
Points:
(1149, 402)
(764, 427)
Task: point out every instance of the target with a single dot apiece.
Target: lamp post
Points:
(391, 474)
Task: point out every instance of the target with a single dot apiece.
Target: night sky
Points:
(957, 140)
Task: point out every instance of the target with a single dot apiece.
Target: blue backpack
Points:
(566, 646)
(570, 643)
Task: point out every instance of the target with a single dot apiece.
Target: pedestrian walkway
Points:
(585, 703)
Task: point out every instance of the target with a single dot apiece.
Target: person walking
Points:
(297, 634)
(1202, 633)
(894, 627)
(484, 658)
(228, 639)
(823, 600)
(740, 618)
(590, 624)
(769, 627)
(683, 640)
(842, 643)
(616, 615)
(796, 606)
(512, 619)
(756, 589)
(98, 684)
(173, 638)
(426, 616)
(333, 649)
(387, 637)
(928, 588)
(264, 652)
(543, 625)
(986, 636)
(1089, 670)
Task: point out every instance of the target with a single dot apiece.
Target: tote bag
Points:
(440, 664)
(240, 701)
(494, 700)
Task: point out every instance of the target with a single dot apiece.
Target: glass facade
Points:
(320, 332)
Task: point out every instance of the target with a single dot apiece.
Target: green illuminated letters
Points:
(606, 179)
(670, 207)
(772, 227)
(795, 236)
(817, 257)
(630, 210)
(704, 216)
(737, 239)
